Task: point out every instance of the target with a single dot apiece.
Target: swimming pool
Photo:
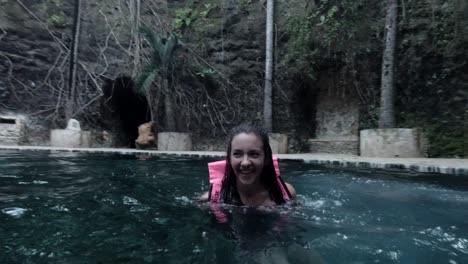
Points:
(63, 207)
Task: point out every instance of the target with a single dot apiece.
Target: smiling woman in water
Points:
(250, 177)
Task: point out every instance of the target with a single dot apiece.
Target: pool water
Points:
(63, 207)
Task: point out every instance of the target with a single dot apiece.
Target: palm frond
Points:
(146, 78)
(161, 58)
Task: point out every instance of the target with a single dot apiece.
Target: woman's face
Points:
(247, 158)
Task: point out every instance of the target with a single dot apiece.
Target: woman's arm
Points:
(291, 189)
(205, 197)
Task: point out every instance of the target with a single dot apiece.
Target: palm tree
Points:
(268, 92)
(159, 67)
(387, 109)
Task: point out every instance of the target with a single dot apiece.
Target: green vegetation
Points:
(57, 20)
(159, 69)
(244, 4)
(205, 72)
(57, 17)
(161, 59)
(333, 30)
(433, 76)
(186, 17)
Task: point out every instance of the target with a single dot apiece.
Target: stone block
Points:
(12, 131)
(392, 143)
(174, 141)
(66, 138)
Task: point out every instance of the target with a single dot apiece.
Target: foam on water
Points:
(461, 245)
(14, 211)
(40, 182)
(10, 176)
(127, 200)
(60, 208)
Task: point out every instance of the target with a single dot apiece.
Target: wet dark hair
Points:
(267, 177)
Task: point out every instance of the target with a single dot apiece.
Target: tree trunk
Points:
(387, 108)
(71, 100)
(136, 32)
(168, 107)
(268, 92)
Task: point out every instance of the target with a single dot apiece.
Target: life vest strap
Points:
(217, 169)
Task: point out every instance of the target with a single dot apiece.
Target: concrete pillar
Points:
(71, 137)
(65, 138)
(12, 131)
(174, 141)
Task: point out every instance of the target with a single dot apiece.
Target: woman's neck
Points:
(254, 195)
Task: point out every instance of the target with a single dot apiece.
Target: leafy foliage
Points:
(57, 17)
(162, 51)
(432, 87)
(57, 20)
(331, 31)
(186, 17)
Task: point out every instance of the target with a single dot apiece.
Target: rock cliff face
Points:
(218, 78)
(34, 61)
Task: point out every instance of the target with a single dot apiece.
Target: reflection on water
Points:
(14, 211)
(265, 235)
(85, 208)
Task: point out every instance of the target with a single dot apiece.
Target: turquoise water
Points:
(58, 207)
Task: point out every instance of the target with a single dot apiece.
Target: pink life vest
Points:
(218, 168)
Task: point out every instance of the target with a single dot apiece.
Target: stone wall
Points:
(337, 110)
(336, 116)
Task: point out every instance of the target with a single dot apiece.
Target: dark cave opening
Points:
(124, 110)
(305, 105)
